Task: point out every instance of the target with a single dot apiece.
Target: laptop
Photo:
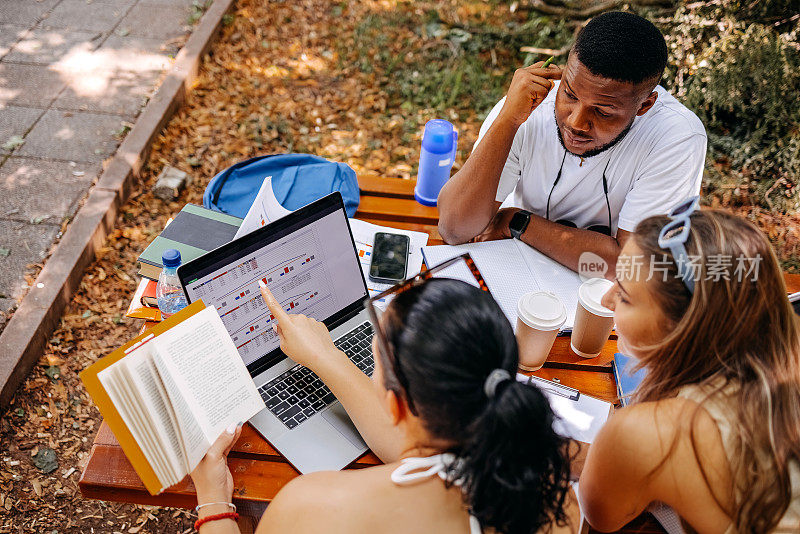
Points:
(308, 259)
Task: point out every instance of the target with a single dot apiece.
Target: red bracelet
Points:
(203, 520)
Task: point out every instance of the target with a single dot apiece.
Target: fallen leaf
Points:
(46, 460)
(53, 360)
(4, 252)
(53, 372)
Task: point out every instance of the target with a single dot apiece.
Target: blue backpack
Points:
(297, 180)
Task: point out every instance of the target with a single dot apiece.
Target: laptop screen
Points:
(307, 259)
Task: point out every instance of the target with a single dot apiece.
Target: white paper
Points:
(364, 237)
(144, 431)
(511, 269)
(501, 265)
(579, 419)
(265, 209)
(210, 375)
(142, 370)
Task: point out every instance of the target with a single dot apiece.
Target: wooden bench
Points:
(259, 472)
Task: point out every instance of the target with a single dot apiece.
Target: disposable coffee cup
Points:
(540, 315)
(593, 321)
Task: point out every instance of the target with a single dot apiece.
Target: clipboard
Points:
(555, 388)
(110, 413)
(578, 416)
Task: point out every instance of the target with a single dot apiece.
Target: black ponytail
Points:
(514, 469)
(446, 338)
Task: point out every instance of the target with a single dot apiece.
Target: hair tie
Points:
(495, 378)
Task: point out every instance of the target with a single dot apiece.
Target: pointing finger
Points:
(274, 306)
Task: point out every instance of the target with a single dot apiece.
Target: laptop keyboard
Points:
(298, 393)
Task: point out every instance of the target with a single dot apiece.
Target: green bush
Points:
(763, 11)
(746, 89)
(440, 65)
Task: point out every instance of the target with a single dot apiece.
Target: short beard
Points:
(598, 150)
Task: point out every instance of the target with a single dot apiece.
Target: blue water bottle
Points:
(435, 160)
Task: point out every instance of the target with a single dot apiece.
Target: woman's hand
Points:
(212, 478)
(305, 340)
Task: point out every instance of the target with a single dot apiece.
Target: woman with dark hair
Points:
(467, 447)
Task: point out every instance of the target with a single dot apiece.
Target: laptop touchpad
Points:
(338, 418)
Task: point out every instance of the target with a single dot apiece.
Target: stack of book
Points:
(194, 231)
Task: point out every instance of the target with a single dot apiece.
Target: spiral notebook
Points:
(511, 268)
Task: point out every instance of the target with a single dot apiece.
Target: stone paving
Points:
(74, 75)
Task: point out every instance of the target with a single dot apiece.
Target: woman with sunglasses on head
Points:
(468, 449)
(714, 428)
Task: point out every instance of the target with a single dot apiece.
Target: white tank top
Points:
(414, 470)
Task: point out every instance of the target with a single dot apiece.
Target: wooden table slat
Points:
(372, 185)
(396, 209)
(592, 383)
(113, 478)
(792, 282)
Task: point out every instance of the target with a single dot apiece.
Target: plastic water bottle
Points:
(169, 292)
(436, 158)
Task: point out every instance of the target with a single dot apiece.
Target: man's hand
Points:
(497, 227)
(528, 88)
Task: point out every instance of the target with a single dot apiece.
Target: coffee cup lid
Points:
(591, 293)
(541, 310)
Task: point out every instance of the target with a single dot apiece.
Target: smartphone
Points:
(389, 258)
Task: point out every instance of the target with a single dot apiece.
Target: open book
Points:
(511, 268)
(168, 394)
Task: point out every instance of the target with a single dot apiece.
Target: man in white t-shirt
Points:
(572, 166)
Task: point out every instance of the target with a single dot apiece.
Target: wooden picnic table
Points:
(259, 471)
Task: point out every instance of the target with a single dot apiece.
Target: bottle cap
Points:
(171, 257)
(438, 136)
(590, 294)
(541, 310)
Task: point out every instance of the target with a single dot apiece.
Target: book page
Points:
(264, 210)
(193, 441)
(554, 277)
(133, 421)
(132, 407)
(501, 265)
(145, 378)
(209, 375)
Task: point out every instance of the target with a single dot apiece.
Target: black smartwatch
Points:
(518, 223)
